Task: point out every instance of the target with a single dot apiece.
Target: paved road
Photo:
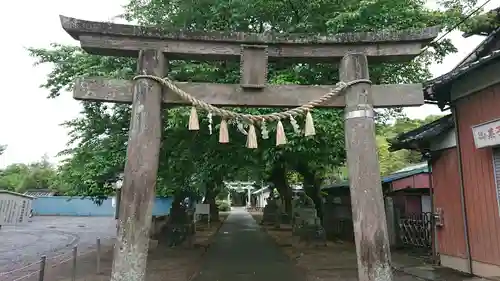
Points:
(241, 252)
(51, 236)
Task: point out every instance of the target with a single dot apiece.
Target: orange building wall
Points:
(446, 187)
(415, 181)
(481, 199)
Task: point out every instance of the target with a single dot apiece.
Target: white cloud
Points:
(465, 46)
(29, 122)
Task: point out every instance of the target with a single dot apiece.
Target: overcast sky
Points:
(29, 122)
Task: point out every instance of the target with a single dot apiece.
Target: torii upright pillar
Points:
(367, 201)
(249, 197)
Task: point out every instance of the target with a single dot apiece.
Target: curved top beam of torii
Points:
(240, 185)
(104, 38)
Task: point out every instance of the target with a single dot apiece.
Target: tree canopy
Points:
(482, 24)
(392, 161)
(194, 161)
(23, 177)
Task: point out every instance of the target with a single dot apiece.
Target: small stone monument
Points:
(306, 224)
(272, 211)
(279, 212)
(304, 209)
(269, 211)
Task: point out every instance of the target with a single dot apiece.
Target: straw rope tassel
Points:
(309, 129)
(194, 125)
(223, 133)
(252, 137)
(280, 134)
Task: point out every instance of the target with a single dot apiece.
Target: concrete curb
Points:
(410, 271)
(401, 269)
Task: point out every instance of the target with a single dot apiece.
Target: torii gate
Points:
(154, 46)
(239, 185)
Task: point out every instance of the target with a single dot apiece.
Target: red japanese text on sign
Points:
(487, 134)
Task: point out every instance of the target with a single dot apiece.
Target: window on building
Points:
(496, 169)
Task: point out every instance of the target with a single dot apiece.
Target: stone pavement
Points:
(241, 252)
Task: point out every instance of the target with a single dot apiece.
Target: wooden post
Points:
(118, 200)
(391, 220)
(41, 271)
(141, 167)
(249, 198)
(370, 228)
(73, 268)
(98, 257)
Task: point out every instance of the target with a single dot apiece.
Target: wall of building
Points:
(337, 215)
(446, 187)
(413, 205)
(481, 201)
(448, 140)
(415, 181)
(71, 206)
(426, 203)
(409, 202)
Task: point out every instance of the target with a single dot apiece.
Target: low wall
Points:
(74, 206)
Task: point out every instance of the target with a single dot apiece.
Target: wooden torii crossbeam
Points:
(121, 91)
(153, 46)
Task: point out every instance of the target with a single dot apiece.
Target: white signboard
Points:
(13, 209)
(487, 134)
(202, 209)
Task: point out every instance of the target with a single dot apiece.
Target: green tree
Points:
(2, 149)
(482, 24)
(21, 177)
(395, 160)
(392, 161)
(404, 124)
(12, 176)
(195, 162)
(388, 162)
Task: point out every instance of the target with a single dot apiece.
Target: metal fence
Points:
(415, 230)
(65, 266)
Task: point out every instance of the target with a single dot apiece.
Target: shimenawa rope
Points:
(224, 113)
(281, 139)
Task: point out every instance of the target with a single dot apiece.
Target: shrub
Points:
(223, 206)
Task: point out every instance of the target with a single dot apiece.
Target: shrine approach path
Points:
(241, 251)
